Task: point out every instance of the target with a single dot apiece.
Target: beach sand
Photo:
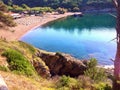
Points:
(28, 23)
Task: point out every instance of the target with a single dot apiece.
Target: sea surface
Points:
(83, 37)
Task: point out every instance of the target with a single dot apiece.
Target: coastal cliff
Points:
(62, 64)
(46, 64)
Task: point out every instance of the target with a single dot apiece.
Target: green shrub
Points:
(102, 86)
(81, 83)
(66, 83)
(76, 9)
(84, 83)
(95, 73)
(16, 9)
(4, 68)
(18, 63)
(42, 9)
(92, 63)
(59, 53)
(61, 10)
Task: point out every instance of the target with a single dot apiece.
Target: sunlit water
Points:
(83, 37)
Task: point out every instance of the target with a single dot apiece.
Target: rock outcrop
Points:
(3, 85)
(62, 64)
(41, 68)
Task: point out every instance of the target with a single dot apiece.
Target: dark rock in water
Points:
(78, 15)
(62, 64)
(3, 85)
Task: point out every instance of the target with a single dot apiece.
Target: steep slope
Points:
(60, 3)
(24, 67)
(18, 54)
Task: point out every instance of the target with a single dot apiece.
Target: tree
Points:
(25, 7)
(76, 9)
(61, 10)
(5, 20)
(116, 85)
(17, 9)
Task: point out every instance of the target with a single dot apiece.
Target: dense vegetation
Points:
(93, 79)
(69, 4)
(18, 63)
(81, 83)
(16, 8)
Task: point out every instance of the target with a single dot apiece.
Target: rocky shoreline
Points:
(61, 64)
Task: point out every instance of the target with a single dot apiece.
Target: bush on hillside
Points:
(95, 73)
(61, 10)
(4, 68)
(16, 9)
(84, 82)
(80, 83)
(18, 63)
(66, 83)
(102, 86)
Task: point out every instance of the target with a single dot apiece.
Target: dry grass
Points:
(3, 61)
(19, 82)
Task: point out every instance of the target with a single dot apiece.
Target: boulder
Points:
(62, 64)
(3, 85)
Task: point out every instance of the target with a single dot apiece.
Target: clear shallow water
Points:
(84, 37)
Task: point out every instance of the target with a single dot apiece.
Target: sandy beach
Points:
(28, 23)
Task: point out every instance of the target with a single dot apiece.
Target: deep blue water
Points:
(82, 37)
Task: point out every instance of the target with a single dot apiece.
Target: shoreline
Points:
(106, 66)
(22, 28)
(29, 23)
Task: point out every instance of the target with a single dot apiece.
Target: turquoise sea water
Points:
(82, 37)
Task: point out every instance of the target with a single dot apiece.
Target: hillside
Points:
(24, 67)
(14, 73)
(61, 3)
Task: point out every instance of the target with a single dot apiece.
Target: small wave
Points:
(107, 66)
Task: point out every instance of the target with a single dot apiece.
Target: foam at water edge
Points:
(107, 66)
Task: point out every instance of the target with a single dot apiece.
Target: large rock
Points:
(41, 68)
(62, 64)
(3, 85)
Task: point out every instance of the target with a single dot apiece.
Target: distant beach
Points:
(28, 23)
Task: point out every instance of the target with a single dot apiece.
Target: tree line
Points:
(69, 4)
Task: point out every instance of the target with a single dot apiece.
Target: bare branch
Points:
(112, 60)
(115, 3)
